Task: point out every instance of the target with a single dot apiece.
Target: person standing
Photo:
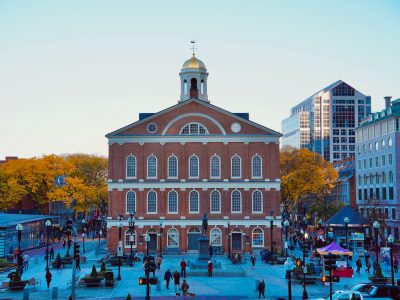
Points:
(359, 265)
(185, 288)
(51, 253)
(396, 265)
(177, 282)
(210, 268)
(368, 265)
(26, 261)
(159, 261)
(167, 278)
(253, 261)
(261, 289)
(183, 268)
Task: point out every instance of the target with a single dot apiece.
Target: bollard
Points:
(26, 294)
(257, 283)
(54, 294)
(158, 285)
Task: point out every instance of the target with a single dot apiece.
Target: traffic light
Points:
(330, 262)
(326, 278)
(298, 262)
(76, 250)
(143, 280)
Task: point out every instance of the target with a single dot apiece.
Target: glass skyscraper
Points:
(325, 122)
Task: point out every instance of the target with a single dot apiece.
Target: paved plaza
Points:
(217, 287)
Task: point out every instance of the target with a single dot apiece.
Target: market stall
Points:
(341, 263)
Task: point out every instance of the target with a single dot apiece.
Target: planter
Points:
(17, 285)
(92, 281)
(378, 279)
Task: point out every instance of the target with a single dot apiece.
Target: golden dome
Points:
(193, 63)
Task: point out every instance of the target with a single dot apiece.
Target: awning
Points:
(335, 249)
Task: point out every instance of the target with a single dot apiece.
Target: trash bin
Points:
(109, 277)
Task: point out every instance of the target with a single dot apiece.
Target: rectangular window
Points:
(371, 193)
(390, 193)
(383, 160)
(376, 161)
(352, 139)
(359, 194)
(377, 194)
(390, 159)
(384, 193)
(343, 139)
(393, 214)
(365, 194)
(359, 164)
(370, 162)
(365, 163)
(386, 213)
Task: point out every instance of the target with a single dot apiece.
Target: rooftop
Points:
(8, 220)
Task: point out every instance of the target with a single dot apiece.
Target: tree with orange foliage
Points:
(304, 173)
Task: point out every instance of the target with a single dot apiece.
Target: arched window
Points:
(371, 179)
(359, 179)
(377, 176)
(172, 202)
(390, 177)
(257, 202)
(215, 202)
(202, 87)
(236, 168)
(152, 167)
(236, 202)
(151, 202)
(256, 167)
(215, 237)
(258, 237)
(193, 167)
(172, 167)
(130, 167)
(194, 128)
(215, 167)
(130, 238)
(383, 177)
(130, 202)
(173, 238)
(185, 87)
(194, 202)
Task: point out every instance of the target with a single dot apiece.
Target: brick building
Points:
(192, 158)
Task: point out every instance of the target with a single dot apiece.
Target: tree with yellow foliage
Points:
(304, 173)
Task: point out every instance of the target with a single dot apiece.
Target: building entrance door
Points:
(236, 241)
(193, 239)
(153, 241)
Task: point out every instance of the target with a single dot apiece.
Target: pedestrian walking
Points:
(177, 281)
(51, 253)
(167, 278)
(210, 268)
(253, 261)
(374, 267)
(396, 265)
(359, 265)
(184, 288)
(26, 261)
(368, 265)
(183, 268)
(78, 263)
(159, 261)
(261, 289)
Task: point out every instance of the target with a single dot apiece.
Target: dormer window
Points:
(194, 128)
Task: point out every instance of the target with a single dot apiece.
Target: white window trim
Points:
(211, 211)
(220, 235)
(126, 167)
(147, 167)
(252, 238)
(219, 167)
(177, 167)
(241, 204)
(128, 245)
(252, 174)
(198, 167)
(252, 202)
(177, 203)
(126, 201)
(198, 124)
(198, 202)
(147, 203)
(177, 232)
(240, 169)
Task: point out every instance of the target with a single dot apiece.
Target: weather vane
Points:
(193, 48)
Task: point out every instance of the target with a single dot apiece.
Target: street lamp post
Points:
(305, 248)
(161, 234)
(147, 240)
(131, 223)
(48, 274)
(119, 247)
(289, 266)
(286, 225)
(83, 234)
(19, 229)
(376, 228)
(390, 244)
(271, 225)
(99, 221)
(229, 240)
(346, 226)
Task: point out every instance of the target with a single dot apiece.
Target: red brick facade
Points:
(247, 142)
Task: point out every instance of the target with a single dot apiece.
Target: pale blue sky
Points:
(72, 71)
